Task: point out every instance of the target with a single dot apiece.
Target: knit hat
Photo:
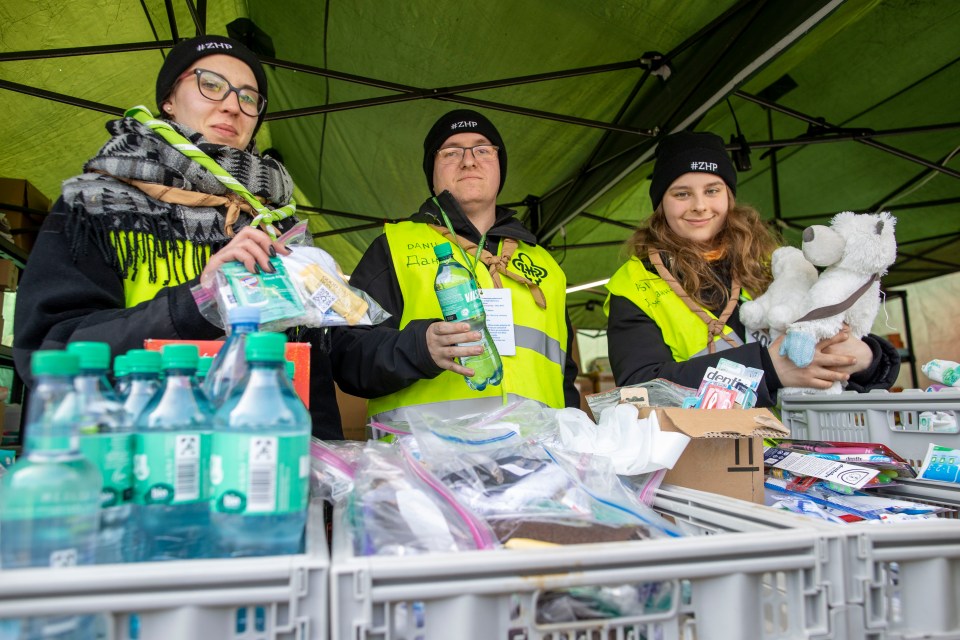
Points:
(182, 56)
(686, 152)
(461, 121)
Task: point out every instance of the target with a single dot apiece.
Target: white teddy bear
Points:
(856, 250)
(783, 301)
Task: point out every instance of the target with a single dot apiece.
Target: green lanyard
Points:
(466, 256)
(164, 130)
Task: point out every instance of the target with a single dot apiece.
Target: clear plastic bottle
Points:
(460, 302)
(121, 376)
(260, 461)
(203, 368)
(144, 380)
(171, 480)
(50, 498)
(230, 364)
(106, 439)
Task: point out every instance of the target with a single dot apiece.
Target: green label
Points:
(460, 302)
(171, 468)
(259, 474)
(112, 453)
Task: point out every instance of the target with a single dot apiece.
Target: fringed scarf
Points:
(131, 228)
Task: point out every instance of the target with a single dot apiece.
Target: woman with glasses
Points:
(156, 210)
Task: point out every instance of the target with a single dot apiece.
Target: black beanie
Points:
(182, 56)
(461, 121)
(686, 152)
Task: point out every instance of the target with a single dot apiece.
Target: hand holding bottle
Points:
(443, 342)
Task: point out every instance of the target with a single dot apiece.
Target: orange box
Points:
(297, 352)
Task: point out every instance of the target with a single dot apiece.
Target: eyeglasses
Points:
(481, 153)
(214, 86)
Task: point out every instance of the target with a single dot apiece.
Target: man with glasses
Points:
(411, 361)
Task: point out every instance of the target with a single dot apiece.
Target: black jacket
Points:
(638, 353)
(61, 301)
(375, 361)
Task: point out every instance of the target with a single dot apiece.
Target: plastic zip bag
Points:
(307, 289)
(332, 468)
(393, 510)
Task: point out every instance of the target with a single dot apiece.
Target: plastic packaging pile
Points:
(306, 288)
(835, 481)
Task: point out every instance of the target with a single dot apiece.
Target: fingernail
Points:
(271, 269)
(273, 252)
(257, 269)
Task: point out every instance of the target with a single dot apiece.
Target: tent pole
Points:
(59, 97)
(893, 207)
(43, 54)
(862, 140)
(774, 172)
(172, 19)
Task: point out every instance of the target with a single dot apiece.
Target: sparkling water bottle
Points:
(203, 368)
(106, 439)
(260, 463)
(170, 466)
(230, 365)
(50, 498)
(460, 302)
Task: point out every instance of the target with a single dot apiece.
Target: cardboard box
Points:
(353, 415)
(297, 352)
(725, 454)
(9, 274)
(23, 225)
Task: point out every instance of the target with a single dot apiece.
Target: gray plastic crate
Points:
(880, 416)
(905, 576)
(269, 598)
(747, 572)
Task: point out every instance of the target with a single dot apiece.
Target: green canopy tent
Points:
(841, 105)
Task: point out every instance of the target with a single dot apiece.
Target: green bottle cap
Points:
(203, 366)
(264, 346)
(92, 355)
(120, 366)
(54, 363)
(180, 356)
(291, 369)
(143, 361)
(443, 250)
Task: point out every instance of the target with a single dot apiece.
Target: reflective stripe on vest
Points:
(535, 372)
(137, 289)
(683, 331)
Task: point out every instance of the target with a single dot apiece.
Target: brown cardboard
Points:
(725, 453)
(24, 226)
(8, 276)
(353, 415)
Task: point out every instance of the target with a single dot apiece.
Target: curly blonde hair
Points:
(744, 245)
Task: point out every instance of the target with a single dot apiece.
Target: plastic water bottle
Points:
(121, 376)
(260, 463)
(106, 439)
(460, 302)
(50, 498)
(144, 381)
(203, 368)
(230, 364)
(171, 481)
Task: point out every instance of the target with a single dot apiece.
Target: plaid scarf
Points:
(131, 229)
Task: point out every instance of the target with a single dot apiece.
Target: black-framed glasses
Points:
(214, 86)
(481, 152)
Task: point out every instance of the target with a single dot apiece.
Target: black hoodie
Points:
(375, 361)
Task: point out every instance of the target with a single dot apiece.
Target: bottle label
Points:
(460, 302)
(260, 474)
(51, 504)
(171, 468)
(112, 453)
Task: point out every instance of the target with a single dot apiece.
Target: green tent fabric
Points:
(354, 87)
